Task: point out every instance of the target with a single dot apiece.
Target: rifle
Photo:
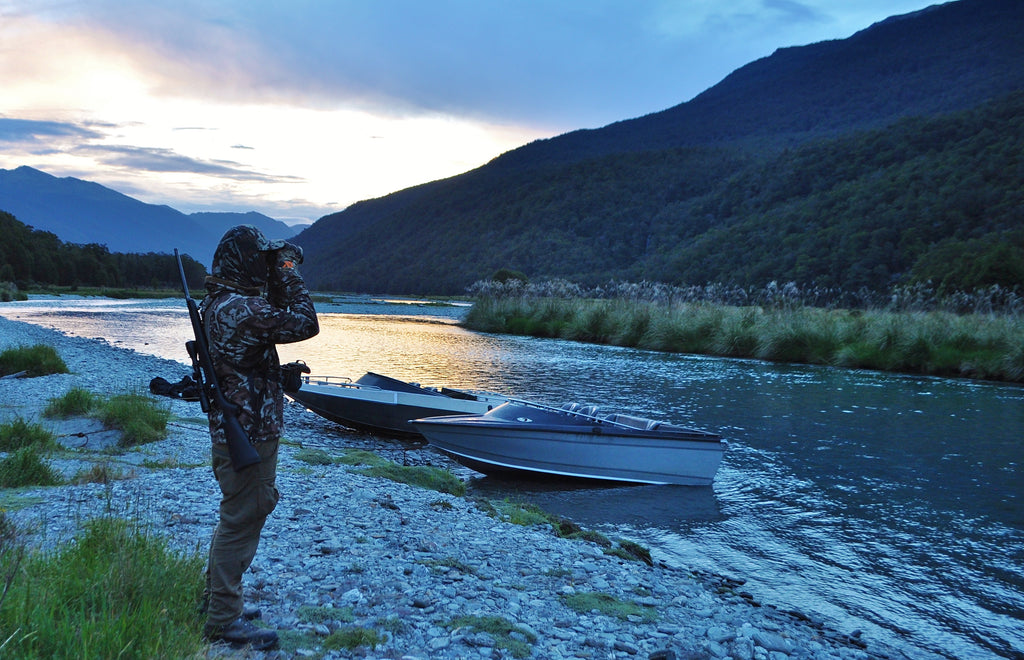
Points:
(242, 453)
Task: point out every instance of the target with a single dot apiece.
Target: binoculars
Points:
(288, 251)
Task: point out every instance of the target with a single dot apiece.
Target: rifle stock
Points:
(242, 453)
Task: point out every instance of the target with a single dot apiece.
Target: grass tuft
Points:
(632, 551)
(314, 457)
(313, 614)
(139, 417)
(99, 473)
(116, 591)
(37, 360)
(593, 601)
(517, 640)
(26, 467)
(361, 457)
(422, 476)
(523, 513)
(75, 402)
(352, 638)
(18, 433)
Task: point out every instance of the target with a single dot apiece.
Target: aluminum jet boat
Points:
(381, 404)
(527, 439)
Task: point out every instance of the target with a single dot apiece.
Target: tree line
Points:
(925, 199)
(31, 257)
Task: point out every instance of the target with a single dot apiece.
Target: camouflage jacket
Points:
(242, 329)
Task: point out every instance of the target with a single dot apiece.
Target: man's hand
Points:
(283, 279)
(288, 256)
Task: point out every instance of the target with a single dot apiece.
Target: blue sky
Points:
(300, 108)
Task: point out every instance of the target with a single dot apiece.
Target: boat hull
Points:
(384, 411)
(591, 451)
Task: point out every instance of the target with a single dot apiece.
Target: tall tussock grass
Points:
(36, 360)
(940, 343)
(139, 417)
(117, 591)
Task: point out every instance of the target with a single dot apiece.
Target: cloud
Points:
(167, 160)
(792, 11)
(30, 130)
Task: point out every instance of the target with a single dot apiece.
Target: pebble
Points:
(386, 551)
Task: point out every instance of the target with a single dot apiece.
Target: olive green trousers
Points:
(248, 497)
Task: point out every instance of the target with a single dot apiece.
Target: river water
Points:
(885, 504)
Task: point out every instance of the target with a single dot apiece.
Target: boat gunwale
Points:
(662, 431)
(345, 382)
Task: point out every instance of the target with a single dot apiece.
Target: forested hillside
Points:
(885, 158)
(30, 257)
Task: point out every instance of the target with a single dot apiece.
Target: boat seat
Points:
(628, 420)
(652, 425)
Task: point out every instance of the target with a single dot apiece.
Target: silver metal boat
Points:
(576, 441)
(381, 404)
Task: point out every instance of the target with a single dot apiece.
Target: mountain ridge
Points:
(626, 200)
(83, 212)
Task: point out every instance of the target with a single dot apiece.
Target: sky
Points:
(299, 108)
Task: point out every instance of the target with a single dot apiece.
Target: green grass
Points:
(26, 467)
(348, 457)
(75, 402)
(115, 592)
(524, 513)
(980, 346)
(422, 476)
(107, 292)
(139, 417)
(632, 551)
(37, 360)
(17, 433)
(592, 601)
(14, 500)
(352, 638)
(313, 614)
(99, 473)
(507, 636)
(361, 457)
(314, 457)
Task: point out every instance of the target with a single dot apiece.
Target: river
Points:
(887, 504)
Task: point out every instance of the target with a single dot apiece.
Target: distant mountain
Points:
(218, 223)
(84, 212)
(797, 166)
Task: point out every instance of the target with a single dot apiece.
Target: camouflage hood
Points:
(240, 260)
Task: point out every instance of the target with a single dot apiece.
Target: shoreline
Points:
(388, 550)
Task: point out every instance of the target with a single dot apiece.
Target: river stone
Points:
(335, 541)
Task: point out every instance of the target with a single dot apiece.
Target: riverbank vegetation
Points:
(116, 591)
(32, 258)
(31, 361)
(977, 336)
(139, 417)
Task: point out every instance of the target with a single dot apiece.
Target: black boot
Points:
(241, 632)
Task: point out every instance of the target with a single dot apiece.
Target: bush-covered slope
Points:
(871, 209)
(33, 257)
(859, 162)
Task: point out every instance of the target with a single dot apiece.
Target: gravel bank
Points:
(414, 558)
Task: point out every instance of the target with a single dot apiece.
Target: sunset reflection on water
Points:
(431, 353)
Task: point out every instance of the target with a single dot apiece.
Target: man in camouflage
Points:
(243, 325)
